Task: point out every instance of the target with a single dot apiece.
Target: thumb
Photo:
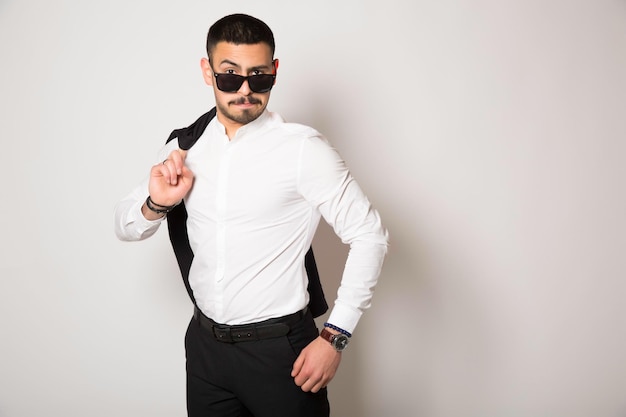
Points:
(186, 172)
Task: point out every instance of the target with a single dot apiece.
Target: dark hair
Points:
(239, 29)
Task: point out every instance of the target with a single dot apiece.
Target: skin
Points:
(171, 180)
(237, 109)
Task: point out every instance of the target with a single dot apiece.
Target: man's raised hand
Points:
(170, 181)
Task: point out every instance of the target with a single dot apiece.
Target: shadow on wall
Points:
(348, 390)
(374, 379)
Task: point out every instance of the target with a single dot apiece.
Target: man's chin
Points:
(245, 116)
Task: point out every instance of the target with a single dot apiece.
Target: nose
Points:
(244, 89)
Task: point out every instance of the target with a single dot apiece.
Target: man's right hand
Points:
(170, 181)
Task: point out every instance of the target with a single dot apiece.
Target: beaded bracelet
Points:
(158, 208)
(339, 329)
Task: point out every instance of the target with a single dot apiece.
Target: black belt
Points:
(267, 329)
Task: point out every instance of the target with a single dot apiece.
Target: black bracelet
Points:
(158, 208)
(160, 205)
(339, 329)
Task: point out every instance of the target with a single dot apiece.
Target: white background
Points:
(489, 134)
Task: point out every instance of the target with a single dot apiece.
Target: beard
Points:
(245, 116)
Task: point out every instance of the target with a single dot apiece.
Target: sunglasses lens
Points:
(229, 83)
(261, 83)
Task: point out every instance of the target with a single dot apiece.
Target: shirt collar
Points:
(247, 129)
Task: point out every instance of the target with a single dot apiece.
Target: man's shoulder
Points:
(292, 129)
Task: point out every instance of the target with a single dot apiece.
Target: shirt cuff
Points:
(344, 317)
(141, 223)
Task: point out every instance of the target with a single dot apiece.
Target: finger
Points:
(320, 385)
(312, 385)
(170, 174)
(297, 367)
(176, 162)
(316, 388)
(160, 170)
(186, 173)
(178, 158)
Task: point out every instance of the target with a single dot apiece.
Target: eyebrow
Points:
(234, 64)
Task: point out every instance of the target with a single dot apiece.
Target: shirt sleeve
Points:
(325, 181)
(130, 224)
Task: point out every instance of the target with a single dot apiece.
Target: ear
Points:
(275, 62)
(207, 72)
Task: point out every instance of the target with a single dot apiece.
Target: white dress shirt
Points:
(253, 210)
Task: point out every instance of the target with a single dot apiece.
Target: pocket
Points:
(302, 333)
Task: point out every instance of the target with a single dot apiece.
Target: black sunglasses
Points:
(231, 83)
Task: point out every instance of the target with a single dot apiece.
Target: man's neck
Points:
(230, 126)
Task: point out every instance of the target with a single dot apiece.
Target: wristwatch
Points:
(338, 341)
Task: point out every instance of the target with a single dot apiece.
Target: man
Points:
(254, 188)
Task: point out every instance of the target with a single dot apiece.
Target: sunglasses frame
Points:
(241, 79)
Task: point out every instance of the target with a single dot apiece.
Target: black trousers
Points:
(251, 378)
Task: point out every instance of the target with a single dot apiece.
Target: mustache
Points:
(246, 100)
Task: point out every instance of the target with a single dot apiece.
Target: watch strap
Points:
(326, 335)
(337, 341)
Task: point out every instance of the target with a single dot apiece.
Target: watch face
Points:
(340, 342)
